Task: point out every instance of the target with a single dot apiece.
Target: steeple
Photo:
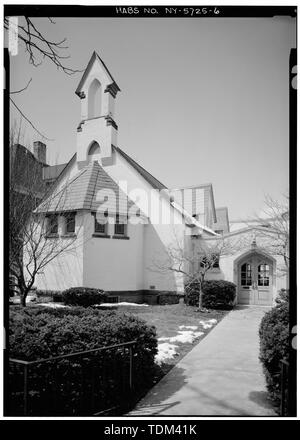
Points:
(97, 90)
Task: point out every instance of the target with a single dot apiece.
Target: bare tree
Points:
(275, 229)
(40, 46)
(34, 211)
(194, 260)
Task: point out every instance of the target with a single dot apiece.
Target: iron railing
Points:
(91, 382)
(284, 385)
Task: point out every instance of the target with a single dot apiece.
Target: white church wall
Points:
(66, 270)
(113, 264)
(158, 236)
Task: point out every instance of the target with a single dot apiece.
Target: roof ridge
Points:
(143, 172)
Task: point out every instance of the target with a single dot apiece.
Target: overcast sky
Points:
(202, 100)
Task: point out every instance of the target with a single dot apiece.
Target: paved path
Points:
(220, 376)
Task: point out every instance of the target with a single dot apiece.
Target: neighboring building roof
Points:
(87, 71)
(222, 222)
(53, 171)
(208, 189)
(150, 179)
(190, 220)
(26, 170)
(81, 193)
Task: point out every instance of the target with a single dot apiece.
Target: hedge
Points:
(40, 333)
(83, 296)
(274, 346)
(56, 295)
(168, 298)
(216, 294)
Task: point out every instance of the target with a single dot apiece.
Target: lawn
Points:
(178, 328)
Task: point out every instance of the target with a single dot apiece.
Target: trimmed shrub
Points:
(83, 296)
(216, 294)
(41, 333)
(274, 346)
(168, 298)
(56, 295)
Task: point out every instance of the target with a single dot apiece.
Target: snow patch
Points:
(17, 300)
(208, 324)
(192, 327)
(186, 337)
(52, 305)
(166, 352)
(121, 304)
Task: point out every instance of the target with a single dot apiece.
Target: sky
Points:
(201, 101)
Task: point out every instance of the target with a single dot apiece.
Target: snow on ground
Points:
(191, 327)
(121, 304)
(186, 337)
(208, 324)
(52, 305)
(16, 299)
(166, 352)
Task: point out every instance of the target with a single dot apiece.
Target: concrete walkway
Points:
(220, 376)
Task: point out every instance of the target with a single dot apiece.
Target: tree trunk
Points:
(23, 299)
(200, 295)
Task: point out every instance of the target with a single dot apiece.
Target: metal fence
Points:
(284, 378)
(92, 382)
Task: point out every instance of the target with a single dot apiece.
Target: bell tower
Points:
(97, 91)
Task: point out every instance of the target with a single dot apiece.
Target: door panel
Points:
(255, 281)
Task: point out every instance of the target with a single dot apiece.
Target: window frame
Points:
(49, 225)
(67, 220)
(124, 225)
(105, 225)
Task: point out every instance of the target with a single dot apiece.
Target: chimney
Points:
(39, 151)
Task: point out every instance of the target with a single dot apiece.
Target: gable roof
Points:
(156, 184)
(87, 71)
(81, 193)
(208, 189)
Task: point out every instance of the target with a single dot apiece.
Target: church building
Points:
(121, 222)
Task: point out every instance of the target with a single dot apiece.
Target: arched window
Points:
(263, 274)
(94, 149)
(94, 99)
(246, 274)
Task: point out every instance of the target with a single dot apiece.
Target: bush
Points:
(216, 294)
(83, 296)
(274, 346)
(283, 296)
(56, 295)
(40, 333)
(168, 298)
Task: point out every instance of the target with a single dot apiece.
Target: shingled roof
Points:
(81, 193)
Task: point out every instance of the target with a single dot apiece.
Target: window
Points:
(263, 275)
(94, 99)
(100, 224)
(52, 226)
(70, 223)
(120, 226)
(94, 149)
(246, 274)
